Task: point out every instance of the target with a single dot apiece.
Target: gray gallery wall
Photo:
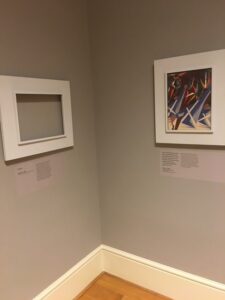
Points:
(172, 221)
(44, 233)
(176, 222)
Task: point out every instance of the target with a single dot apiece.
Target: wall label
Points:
(203, 165)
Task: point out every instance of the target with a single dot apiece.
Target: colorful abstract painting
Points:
(189, 105)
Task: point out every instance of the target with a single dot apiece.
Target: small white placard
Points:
(203, 165)
(36, 174)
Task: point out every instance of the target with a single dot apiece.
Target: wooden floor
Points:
(108, 287)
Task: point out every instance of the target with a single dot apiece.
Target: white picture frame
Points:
(14, 147)
(207, 71)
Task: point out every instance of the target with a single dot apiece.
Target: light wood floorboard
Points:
(108, 287)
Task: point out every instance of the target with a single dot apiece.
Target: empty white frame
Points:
(210, 63)
(36, 116)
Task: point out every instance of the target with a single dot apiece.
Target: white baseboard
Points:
(74, 281)
(165, 280)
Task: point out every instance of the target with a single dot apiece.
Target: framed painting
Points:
(36, 116)
(190, 99)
